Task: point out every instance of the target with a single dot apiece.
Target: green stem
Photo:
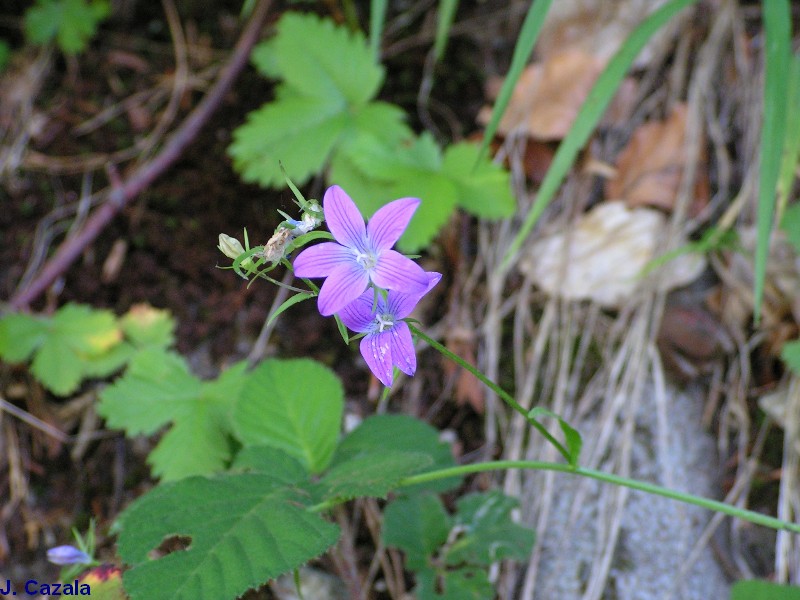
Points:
(507, 398)
(650, 488)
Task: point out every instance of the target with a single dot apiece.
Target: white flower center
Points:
(368, 260)
(384, 322)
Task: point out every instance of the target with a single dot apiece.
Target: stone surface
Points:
(657, 534)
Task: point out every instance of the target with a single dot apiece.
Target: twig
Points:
(118, 197)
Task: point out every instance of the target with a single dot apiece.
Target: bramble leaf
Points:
(294, 405)
(243, 530)
(272, 462)
(371, 475)
(158, 389)
(399, 433)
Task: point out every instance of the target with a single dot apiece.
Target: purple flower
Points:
(68, 555)
(363, 253)
(388, 341)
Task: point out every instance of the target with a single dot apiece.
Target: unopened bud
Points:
(230, 246)
(68, 555)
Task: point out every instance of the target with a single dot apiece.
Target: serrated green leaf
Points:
(245, 529)
(399, 433)
(57, 368)
(329, 76)
(465, 583)
(294, 405)
(147, 326)
(298, 131)
(484, 188)
(316, 57)
(418, 525)
(488, 532)
(756, 589)
(272, 462)
(158, 389)
(373, 474)
(72, 22)
(20, 335)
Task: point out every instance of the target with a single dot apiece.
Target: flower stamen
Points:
(384, 322)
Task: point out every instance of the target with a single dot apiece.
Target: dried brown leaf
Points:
(650, 167)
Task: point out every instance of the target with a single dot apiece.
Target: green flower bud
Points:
(230, 246)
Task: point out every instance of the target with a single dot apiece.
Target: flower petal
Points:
(394, 271)
(390, 221)
(400, 305)
(402, 347)
(344, 284)
(344, 219)
(358, 315)
(376, 350)
(322, 259)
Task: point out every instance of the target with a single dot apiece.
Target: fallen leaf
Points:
(602, 255)
(548, 95)
(650, 168)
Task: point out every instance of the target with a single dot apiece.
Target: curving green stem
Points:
(650, 488)
(507, 398)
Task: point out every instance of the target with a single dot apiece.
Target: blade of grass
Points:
(528, 35)
(777, 54)
(377, 17)
(593, 108)
(791, 148)
(447, 12)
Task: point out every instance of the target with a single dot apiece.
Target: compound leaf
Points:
(158, 389)
(75, 335)
(484, 188)
(243, 530)
(328, 79)
(147, 326)
(20, 335)
(294, 405)
(316, 57)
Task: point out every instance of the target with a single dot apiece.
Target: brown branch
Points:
(120, 195)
